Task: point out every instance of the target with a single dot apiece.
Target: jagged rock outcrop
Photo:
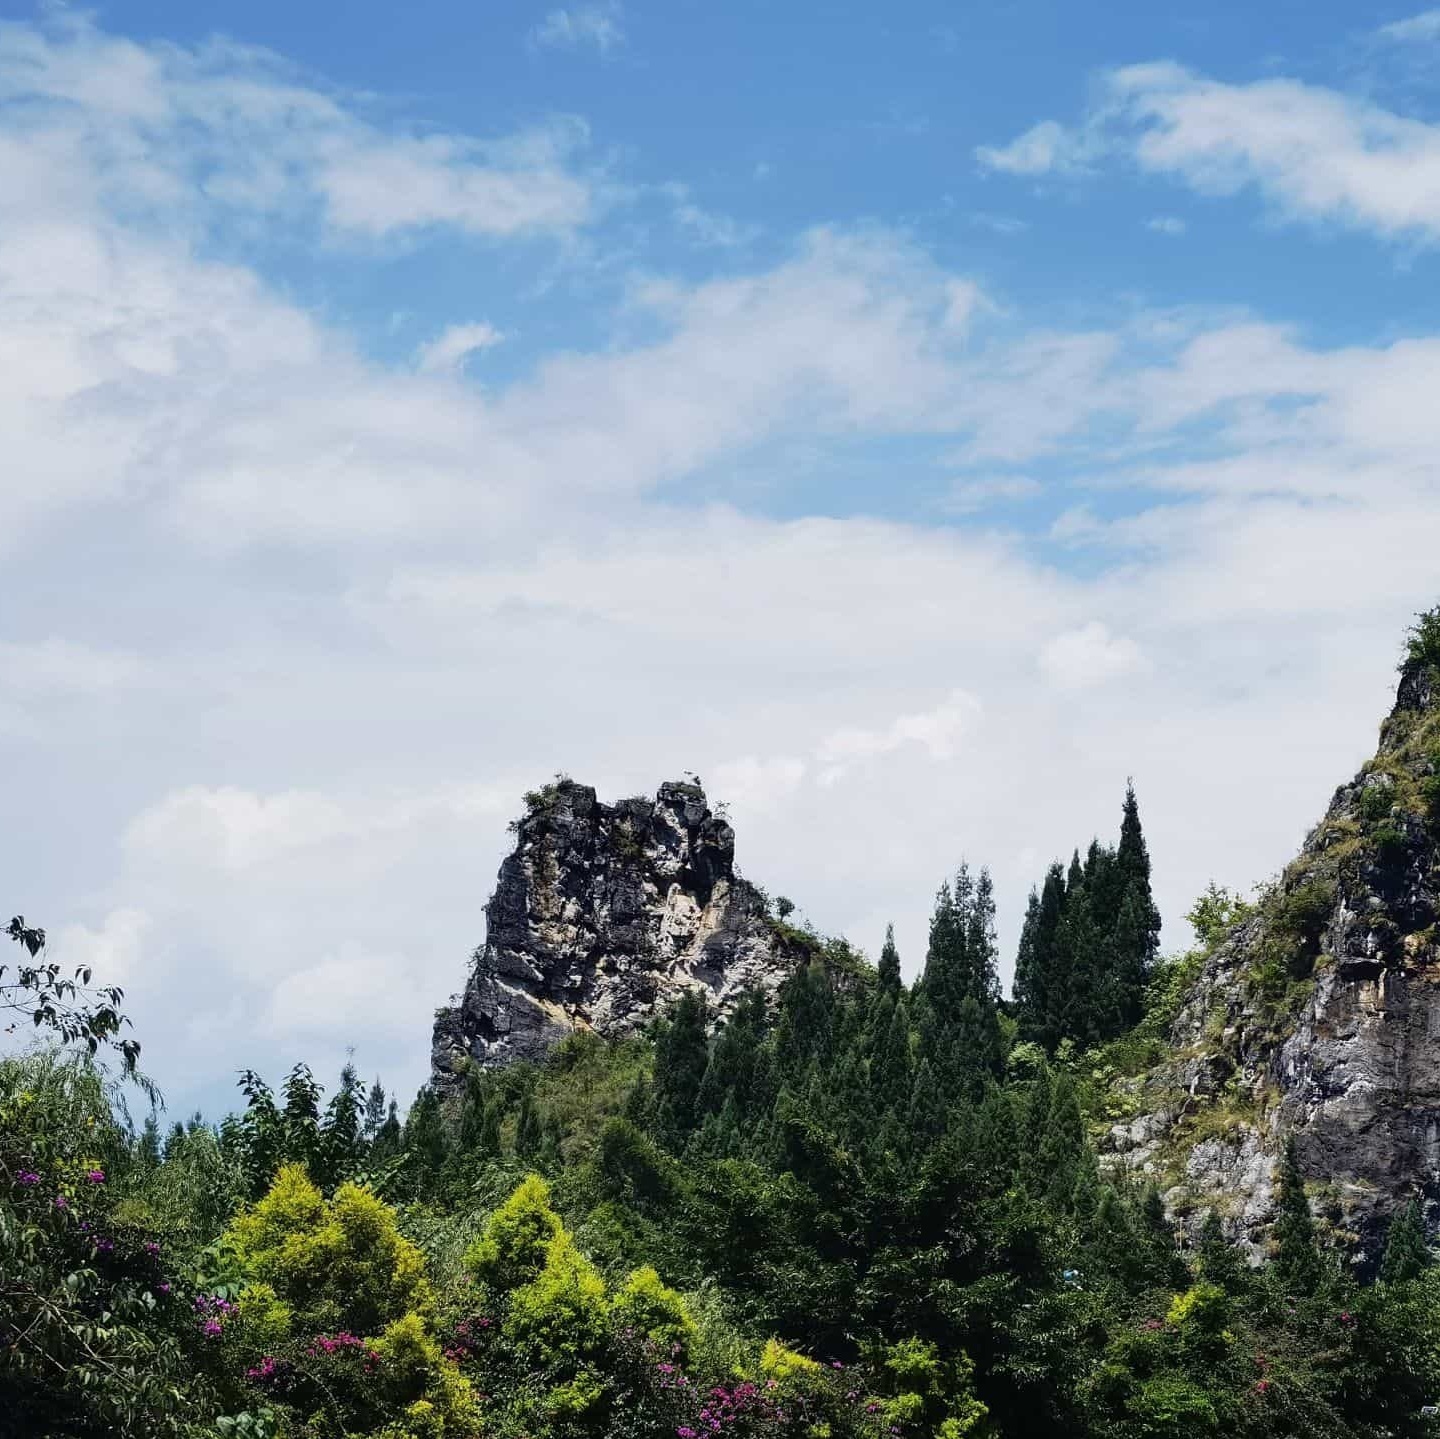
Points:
(1319, 1016)
(603, 916)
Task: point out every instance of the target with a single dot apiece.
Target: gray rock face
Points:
(603, 916)
(1319, 1016)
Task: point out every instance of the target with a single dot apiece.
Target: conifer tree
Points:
(389, 1138)
(1406, 1253)
(338, 1150)
(374, 1111)
(425, 1135)
(1219, 1261)
(889, 967)
(890, 1078)
(682, 1055)
(1297, 1267)
(529, 1132)
(925, 1119)
(147, 1146)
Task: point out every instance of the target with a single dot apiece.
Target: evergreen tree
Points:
(1062, 1144)
(425, 1137)
(682, 1054)
(338, 1150)
(374, 1111)
(1297, 1266)
(925, 1119)
(890, 1077)
(389, 1138)
(147, 1146)
(1406, 1253)
(889, 968)
(529, 1132)
(1220, 1263)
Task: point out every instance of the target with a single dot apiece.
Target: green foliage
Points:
(513, 1248)
(95, 1337)
(337, 1264)
(1215, 914)
(1089, 943)
(71, 1009)
(1422, 644)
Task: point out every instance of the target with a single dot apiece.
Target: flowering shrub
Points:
(82, 1294)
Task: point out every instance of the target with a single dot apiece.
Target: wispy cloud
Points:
(1423, 28)
(1313, 153)
(1044, 149)
(229, 129)
(1166, 225)
(449, 350)
(579, 26)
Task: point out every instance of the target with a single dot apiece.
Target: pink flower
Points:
(95, 1176)
(212, 1329)
(61, 1202)
(27, 1177)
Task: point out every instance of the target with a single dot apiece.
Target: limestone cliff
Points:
(602, 916)
(1319, 1015)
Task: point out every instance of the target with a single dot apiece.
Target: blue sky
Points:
(915, 423)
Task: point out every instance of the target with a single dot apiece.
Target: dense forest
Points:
(869, 1209)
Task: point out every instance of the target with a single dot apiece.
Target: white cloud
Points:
(1313, 153)
(1166, 225)
(227, 128)
(1088, 656)
(448, 351)
(968, 497)
(936, 732)
(1044, 149)
(573, 27)
(1423, 28)
(113, 950)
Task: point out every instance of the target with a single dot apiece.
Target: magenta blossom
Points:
(27, 1177)
(95, 1176)
(61, 1202)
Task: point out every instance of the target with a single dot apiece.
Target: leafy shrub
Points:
(514, 1246)
(95, 1335)
(338, 1264)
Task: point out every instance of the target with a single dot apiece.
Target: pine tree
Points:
(147, 1146)
(529, 1133)
(1406, 1253)
(1297, 1266)
(389, 1138)
(890, 1077)
(374, 1111)
(1136, 929)
(1062, 1144)
(338, 1150)
(425, 1136)
(1220, 1263)
(926, 1116)
(682, 1055)
(889, 968)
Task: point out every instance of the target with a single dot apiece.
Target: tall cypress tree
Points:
(890, 962)
(681, 1057)
(1406, 1253)
(1297, 1267)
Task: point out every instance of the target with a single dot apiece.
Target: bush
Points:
(84, 1296)
(341, 1264)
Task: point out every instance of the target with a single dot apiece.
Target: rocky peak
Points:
(1318, 1015)
(602, 916)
